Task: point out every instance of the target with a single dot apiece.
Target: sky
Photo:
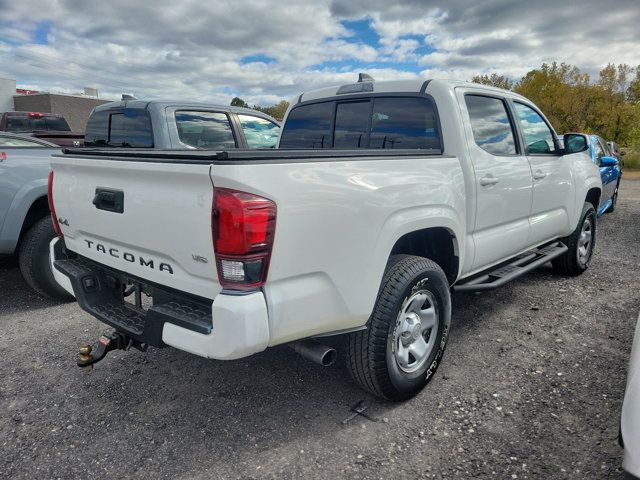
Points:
(268, 50)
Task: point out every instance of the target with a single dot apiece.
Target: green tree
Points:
(238, 102)
(277, 111)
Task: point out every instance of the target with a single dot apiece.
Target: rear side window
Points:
(404, 122)
(18, 124)
(259, 132)
(308, 126)
(490, 123)
(379, 122)
(206, 130)
(130, 127)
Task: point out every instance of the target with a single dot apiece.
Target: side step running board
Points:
(507, 272)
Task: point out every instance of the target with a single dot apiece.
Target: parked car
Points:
(45, 126)
(610, 173)
(616, 152)
(179, 125)
(630, 418)
(381, 197)
(25, 223)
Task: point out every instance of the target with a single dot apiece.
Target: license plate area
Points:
(137, 295)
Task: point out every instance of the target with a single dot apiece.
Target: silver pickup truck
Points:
(179, 125)
(25, 223)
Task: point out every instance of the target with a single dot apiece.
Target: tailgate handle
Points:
(109, 200)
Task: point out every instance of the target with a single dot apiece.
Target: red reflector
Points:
(242, 227)
(54, 217)
(3, 156)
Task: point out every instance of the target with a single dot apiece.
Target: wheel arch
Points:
(593, 197)
(439, 244)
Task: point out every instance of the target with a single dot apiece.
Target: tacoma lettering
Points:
(129, 257)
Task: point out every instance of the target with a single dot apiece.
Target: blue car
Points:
(610, 172)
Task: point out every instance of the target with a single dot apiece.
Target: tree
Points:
(494, 80)
(277, 111)
(238, 102)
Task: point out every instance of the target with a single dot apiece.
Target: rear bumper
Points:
(227, 328)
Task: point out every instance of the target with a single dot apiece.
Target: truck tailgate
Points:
(162, 235)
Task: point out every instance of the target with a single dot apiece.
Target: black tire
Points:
(573, 263)
(371, 355)
(33, 258)
(614, 200)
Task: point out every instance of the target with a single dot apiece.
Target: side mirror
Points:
(622, 153)
(575, 142)
(608, 161)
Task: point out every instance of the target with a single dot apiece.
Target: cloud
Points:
(198, 50)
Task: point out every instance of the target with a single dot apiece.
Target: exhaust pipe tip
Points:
(320, 354)
(329, 357)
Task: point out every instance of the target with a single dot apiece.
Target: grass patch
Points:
(632, 160)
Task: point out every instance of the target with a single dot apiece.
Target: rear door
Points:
(553, 190)
(502, 175)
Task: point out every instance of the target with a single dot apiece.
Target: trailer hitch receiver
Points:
(90, 354)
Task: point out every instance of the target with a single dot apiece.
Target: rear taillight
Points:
(52, 209)
(243, 227)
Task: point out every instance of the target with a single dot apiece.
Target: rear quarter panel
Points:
(337, 222)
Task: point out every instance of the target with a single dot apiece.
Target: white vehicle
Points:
(630, 420)
(381, 197)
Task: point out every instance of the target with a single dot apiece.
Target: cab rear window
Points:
(379, 123)
(129, 127)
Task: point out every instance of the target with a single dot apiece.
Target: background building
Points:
(75, 108)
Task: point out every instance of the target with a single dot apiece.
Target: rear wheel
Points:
(33, 258)
(407, 333)
(580, 243)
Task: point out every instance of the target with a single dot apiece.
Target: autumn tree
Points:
(494, 80)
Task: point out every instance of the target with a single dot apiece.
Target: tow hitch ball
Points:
(107, 342)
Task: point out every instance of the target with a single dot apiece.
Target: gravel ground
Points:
(530, 387)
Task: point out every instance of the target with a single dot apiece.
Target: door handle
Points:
(539, 175)
(488, 180)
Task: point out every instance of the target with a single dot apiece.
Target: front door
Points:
(553, 191)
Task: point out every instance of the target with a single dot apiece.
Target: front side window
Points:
(538, 137)
(404, 122)
(490, 123)
(352, 122)
(259, 132)
(308, 127)
(598, 150)
(206, 130)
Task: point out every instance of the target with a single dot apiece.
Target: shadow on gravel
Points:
(15, 294)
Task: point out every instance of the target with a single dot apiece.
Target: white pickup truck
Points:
(381, 198)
